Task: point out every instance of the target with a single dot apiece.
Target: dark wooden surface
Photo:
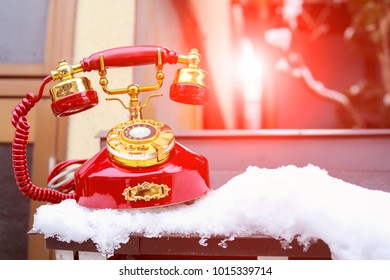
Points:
(189, 247)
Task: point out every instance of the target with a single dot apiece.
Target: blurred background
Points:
(273, 64)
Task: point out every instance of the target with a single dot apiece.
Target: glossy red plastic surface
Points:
(129, 56)
(74, 103)
(189, 93)
(100, 183)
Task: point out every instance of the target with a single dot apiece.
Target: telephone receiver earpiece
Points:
(73, 94)
(190, 85)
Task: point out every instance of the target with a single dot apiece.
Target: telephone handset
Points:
(142, 165)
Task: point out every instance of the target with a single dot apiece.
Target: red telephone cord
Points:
(19, 147)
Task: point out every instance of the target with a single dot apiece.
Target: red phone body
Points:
(100, 183)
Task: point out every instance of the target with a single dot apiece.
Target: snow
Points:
(286, 203)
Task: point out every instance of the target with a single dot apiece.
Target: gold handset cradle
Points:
(138, 142)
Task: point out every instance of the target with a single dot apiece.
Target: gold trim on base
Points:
(146, 192)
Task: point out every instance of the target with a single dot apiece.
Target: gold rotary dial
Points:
(140, 143)
(140, 132)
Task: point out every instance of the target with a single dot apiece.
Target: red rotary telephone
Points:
(142, 165)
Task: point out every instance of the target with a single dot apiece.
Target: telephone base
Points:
(100, 183)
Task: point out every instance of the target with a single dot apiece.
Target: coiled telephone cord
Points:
(19, 148)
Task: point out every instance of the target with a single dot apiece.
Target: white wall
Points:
(100, 25)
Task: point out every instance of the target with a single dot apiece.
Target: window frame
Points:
(58, 42)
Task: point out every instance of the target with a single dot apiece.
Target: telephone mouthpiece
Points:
(190, 86)
(72, 96)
